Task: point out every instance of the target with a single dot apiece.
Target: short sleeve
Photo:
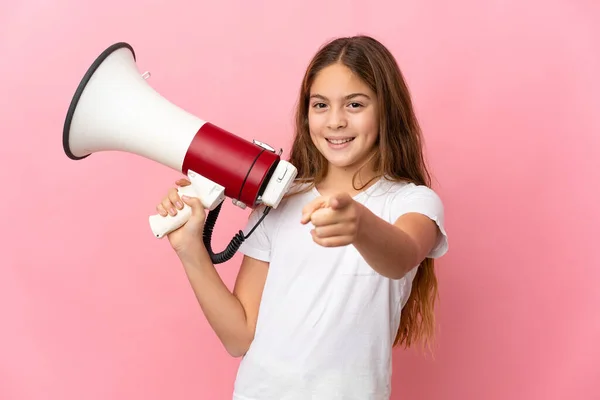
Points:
(258, 245)
(422, 199)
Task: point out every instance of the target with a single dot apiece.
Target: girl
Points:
(342, 270)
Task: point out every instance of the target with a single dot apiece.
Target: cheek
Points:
(368, 126)
(312, 131)
(315, 124)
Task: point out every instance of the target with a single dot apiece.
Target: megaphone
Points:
(115, 109)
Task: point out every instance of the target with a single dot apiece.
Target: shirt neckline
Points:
(366, 191)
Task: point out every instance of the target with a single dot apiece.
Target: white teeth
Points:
(339, 141)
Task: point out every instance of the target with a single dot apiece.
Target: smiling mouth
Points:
(339, 141)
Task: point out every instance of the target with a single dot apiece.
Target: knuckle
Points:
(168, 206)
(160, 209)
(352, 227)
(176, 201)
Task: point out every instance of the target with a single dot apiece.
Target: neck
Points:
(347, 179)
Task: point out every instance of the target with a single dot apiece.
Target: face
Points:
(342, 117)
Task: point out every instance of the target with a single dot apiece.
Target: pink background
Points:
(93, 307)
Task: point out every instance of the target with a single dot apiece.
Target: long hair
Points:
(399, 156)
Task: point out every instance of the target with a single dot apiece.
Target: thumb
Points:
(183, 182)
(195, 205)
(310, 208)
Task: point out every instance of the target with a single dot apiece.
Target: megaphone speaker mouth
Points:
(115, 109)
(79, 91)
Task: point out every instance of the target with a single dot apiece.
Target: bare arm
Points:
(390, 249)
(394, 249)
(231, 315)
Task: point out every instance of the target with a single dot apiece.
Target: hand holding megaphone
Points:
(210, 195)
(186, 239)
(114, 109)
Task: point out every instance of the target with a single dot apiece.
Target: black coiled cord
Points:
(234, 244)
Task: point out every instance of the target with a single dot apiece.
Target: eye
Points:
(355, 105)
(319, 105)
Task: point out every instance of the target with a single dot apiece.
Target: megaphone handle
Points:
(162, 226)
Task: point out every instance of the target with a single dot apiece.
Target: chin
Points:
(338, 162)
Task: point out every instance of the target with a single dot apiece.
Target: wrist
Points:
(196, 257)
(361, 222)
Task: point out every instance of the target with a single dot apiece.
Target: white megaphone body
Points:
(114, 109)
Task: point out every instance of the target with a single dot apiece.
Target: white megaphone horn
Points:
(114, 109)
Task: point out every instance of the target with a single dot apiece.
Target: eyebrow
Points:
(348, 97)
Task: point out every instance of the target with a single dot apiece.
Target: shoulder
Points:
(404, 194)
(420, 199)
(424, 196)
(404, 198)
(391, 199)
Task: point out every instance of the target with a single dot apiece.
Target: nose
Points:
(336, 120)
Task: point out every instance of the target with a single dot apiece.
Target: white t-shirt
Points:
(327, 320)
